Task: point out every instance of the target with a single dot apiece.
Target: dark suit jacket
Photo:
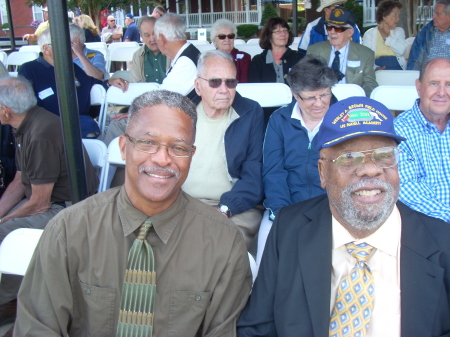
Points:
(363, 75)
(291, 295)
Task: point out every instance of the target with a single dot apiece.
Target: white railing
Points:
(207, 19)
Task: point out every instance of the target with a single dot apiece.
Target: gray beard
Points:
(371, 217)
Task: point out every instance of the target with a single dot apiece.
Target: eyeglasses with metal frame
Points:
(324, 98)
(224, 36)
(153, 146)
(214, 83)
(350, 163)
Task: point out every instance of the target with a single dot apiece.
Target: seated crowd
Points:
(345, 208)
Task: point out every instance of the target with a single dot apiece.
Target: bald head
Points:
(111, 21)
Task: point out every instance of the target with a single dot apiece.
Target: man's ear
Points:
(122, 146)
(322, 173)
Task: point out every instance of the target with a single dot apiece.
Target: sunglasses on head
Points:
(336, 29)
(224, 36)
(214, 83)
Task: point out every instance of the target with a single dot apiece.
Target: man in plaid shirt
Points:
(425, 158)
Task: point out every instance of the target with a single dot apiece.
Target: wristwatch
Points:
(225, 210)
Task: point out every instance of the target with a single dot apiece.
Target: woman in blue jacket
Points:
(290, 152)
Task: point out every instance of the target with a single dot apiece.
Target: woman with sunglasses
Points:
(223, 33)
(387, 40)
(273, 64)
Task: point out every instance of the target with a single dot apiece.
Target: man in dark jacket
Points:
(226, 169)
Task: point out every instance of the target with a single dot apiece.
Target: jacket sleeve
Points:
(136, 71)
(396, 40)
(418, 49)
(275, 184)
(369, 81)
(257, 318)
(255, 72)
(247, 191)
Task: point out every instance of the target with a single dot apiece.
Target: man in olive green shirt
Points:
(74, 283)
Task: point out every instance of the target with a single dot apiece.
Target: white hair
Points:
(171, 26)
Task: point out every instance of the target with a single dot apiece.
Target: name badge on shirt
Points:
(239, 56)
(353, 64)
(447, 41)
(46, 93)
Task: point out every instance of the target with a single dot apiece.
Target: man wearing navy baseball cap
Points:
(355, 262)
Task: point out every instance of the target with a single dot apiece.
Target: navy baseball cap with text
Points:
(355, 117)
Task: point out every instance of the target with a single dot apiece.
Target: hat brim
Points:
(328, 4)
(339, 140)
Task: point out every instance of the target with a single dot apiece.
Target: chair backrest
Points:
(253, 41)
(252, 49)
(113, 161)
(198, 42)
(34, 48)
(266, 94)
(113, 46)
(343, 91)
(18, 58)
(95, 45)
(98, 154)
(115, 95)
(397, 77)
(3, 58)
(98, 94)
(205, 47)
(120, 54)
(395, 97)
(238, 42)
(17, 249)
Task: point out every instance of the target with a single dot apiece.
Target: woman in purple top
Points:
(223, 33)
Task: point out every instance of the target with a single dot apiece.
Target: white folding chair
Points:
(113, 46)
(266, 94)
(252, 49)
(114, 160)
(32, 47)
(397, 77)
(17, 249)
(98, 154)
(116, 96)
(3, 57)
(238, 42)
(124, 54)
(205, 47)
(198, 42)
(295, 42)
(95, 45)
(343, 91)
(395, 97)
(16, 58)
(253, 41)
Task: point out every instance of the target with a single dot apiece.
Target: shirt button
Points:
(88, 291)
(198, 298)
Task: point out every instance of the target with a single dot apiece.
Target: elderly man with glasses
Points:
(144, 259)
(351, 62)
(354, 262)
(226, 169)
(112, 32)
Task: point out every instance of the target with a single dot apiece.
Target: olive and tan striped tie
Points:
(139, 288)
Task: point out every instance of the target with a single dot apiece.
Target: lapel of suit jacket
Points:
(326, 51)
(420, 276)
(315, 243)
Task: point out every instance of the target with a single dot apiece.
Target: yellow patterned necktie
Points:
(139, 288)
(355, 297)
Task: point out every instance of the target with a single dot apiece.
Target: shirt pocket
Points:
(96, 309)
(186, 312)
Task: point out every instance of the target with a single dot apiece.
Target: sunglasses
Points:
(214, 83)
(224, 36)
(336, 29)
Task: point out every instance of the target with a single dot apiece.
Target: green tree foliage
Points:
(247, 30)
(356, 9)
(268, 13)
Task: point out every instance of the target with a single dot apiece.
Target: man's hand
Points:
(77, 47)
(119, 83)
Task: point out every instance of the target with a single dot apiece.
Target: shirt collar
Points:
(386, 238)
(164, 223)
(41, 60)
(296, 114)
(343, 50)
(269, 57)
(147, 50)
